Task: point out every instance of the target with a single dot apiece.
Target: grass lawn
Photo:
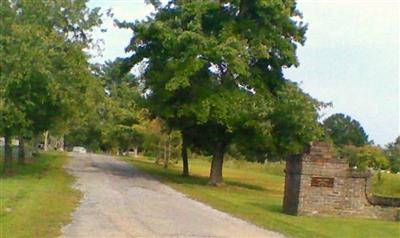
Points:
(254, 192)
(38, 199)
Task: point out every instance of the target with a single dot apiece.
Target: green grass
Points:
(389, 185)
(254, 192)
(38, 199)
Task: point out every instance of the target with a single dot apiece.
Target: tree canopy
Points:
(344, 130)
(214, 70)
(44, 70)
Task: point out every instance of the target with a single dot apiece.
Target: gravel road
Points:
(120, 201)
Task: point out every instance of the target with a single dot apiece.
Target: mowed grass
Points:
(38, 199)
(254, 192)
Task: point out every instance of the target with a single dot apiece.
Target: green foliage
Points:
(112, 75)
(344, 130)
(295, 119)
(365, 156)
(44, 70)
(157, 140)
(121, 114)
(116, 121)
(387, 185)
(112, 114)
(392, 151)
(214, 71)
(46, 83)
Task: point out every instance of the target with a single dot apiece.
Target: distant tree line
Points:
(352, 143)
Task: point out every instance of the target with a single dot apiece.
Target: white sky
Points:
(350, 58)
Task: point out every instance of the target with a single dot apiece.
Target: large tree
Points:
(344, 130)
(214, 68)
(44, 70)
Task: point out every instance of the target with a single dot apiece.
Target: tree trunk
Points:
(185, 162)
(46, 140)
(35, 144)
(135, 152)
(243, 8)
(21, 150)
(216, 165)
(166, 153)
(159, 153)
(61, 144)
(7, 154)
(169, 147)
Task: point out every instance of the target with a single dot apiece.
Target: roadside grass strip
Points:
(37, 200)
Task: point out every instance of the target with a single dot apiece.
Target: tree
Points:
(206, 58)
(213, 68)
(293, 124)
(44, 69)
(367, 156)
(392, 151)
(344, 130)
(11, 117)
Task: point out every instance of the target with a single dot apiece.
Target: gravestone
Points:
(318, 184)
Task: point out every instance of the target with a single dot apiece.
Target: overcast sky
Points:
(351, 57)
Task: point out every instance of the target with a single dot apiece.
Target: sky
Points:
(350, 58)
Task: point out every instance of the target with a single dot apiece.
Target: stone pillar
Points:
(318, 184)
(292, 185)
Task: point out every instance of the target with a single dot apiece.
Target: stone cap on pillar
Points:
(319, 150)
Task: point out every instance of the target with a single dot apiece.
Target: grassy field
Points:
(254, 192)
(38, 199)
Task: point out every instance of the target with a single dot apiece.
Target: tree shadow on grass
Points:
(245, 185)
(191, 180)
(144, 169)
(171, 175)
(275, 208)
(176, 177)
(36, 167)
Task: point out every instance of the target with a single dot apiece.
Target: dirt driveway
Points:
(120, 201)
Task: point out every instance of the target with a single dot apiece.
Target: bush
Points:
(364, 157)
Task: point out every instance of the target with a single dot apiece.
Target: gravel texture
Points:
(120, 201)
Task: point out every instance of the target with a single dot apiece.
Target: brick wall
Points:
(318, 184)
